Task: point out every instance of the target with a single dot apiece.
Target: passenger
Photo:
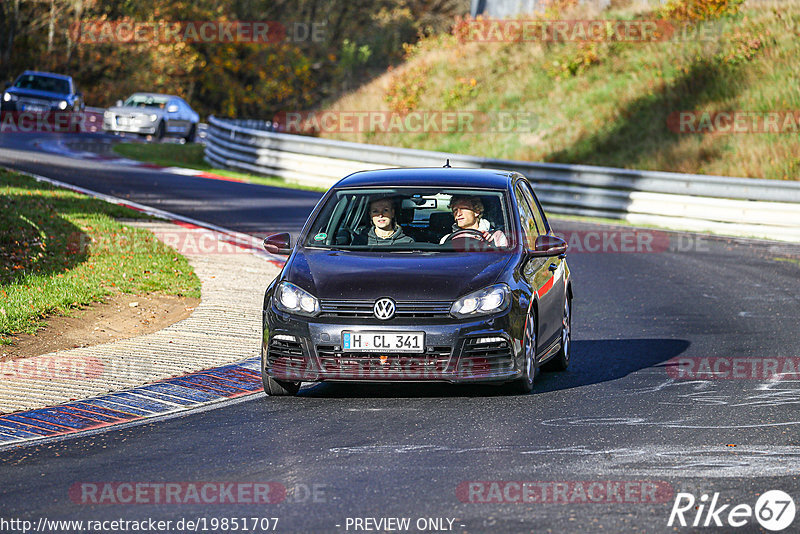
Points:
(468, 215)
(384, 230)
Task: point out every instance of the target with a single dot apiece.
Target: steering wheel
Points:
(465, 232)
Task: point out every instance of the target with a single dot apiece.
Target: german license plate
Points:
(34, 108)
(383, 341)
(123, 121)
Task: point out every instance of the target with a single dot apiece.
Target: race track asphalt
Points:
(619, 415)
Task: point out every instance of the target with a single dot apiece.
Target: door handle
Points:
(553, 267)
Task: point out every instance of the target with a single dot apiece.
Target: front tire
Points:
(160, 131)
(192, 135)
(279, 388)
(524, 384)
(560, 361)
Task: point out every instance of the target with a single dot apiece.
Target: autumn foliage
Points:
(354, 39)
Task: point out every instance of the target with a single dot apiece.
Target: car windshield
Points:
(413, 219)
(146, 101)
(43, 83)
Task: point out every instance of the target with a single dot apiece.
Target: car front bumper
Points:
(310, 350)
(136, 127)
(38, 107)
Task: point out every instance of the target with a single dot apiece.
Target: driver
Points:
(384, 230)
(468, 215)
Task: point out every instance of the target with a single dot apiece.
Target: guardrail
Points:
(730, 206)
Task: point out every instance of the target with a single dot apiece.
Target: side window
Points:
(526, 217)
(538, 214)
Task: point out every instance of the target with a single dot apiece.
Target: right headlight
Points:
(8, 97)
(492, 299)
(290, 298)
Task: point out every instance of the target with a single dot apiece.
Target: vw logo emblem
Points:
(384, 309)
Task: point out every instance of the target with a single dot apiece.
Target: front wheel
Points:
(279, 388)
(160, 131)
(192, 135)
(560, 361)
(524, 384)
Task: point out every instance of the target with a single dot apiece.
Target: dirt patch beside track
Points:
(120, 317)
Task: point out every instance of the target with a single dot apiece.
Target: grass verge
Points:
(190, 156)
(61, 250)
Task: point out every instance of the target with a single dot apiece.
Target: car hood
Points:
(44, 95)
(133, 110)
(330, 274)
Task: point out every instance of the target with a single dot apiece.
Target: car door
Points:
(186, 117)
(556, 266)
(176, 125)
(540, 272)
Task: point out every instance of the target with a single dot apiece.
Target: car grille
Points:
(285, 358)
(376, 366)
(404, 309)
(35, 104)
(35, 101)
(483, 357)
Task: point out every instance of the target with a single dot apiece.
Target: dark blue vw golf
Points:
(449, 275)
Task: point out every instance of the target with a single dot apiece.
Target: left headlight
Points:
(152, 117)
(8, 97)
(492, 299)
(63, 105)
(290, 298)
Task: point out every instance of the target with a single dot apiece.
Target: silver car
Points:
(152, 114)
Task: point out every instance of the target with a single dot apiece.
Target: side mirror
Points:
(119, 103)
(549, 245)
(172, 109)
(278, 244)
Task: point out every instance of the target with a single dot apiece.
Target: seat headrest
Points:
(441, 222)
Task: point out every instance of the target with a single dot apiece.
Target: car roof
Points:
(430, 177)
(47, 74)
(160, 95)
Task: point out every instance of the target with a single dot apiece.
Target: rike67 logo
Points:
(774, 511)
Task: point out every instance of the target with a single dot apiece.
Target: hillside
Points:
(612, 102)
